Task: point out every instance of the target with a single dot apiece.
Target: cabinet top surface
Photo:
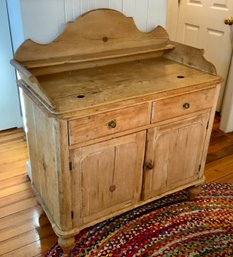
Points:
(88, 88)
(86, 69)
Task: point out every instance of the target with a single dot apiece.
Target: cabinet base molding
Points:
(190, 187)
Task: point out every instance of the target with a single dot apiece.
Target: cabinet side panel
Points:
(42, 153)
(64, 176)
(209, 130)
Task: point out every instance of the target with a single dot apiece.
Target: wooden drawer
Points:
(182, 105)
(108, 123)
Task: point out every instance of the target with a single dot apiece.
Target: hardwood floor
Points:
(219, 167)
(25, 230)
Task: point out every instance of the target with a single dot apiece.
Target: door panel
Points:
(191, 34)
(200, 24)
(221, 5)
(174, 151)
(195, 3)
(110, 175)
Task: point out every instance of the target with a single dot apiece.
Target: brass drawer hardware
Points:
(112, 124)
(186, 105)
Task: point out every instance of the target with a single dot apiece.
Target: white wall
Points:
(9, 101)
(16, 25)
(44, 20)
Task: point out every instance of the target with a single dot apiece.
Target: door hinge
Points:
(207, 125)
(70, 165)
(72, 215)
(179, 2)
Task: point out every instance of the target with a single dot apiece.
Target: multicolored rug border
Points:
(171, 226)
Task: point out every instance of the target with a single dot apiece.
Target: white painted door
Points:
(226, 123)
(9, 100)
(200, 23)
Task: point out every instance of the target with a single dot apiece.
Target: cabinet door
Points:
(107, 176)
(173, 155)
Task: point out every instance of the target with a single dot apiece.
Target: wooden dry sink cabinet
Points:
(116, 118)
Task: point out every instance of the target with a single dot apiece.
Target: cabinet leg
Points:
(194, 191)
(66, 244)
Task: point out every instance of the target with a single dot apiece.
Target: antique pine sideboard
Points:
(116, 118)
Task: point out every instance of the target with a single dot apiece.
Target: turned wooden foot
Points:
(66, 244)
(194, 191)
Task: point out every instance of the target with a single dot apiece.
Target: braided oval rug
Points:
(171, 226)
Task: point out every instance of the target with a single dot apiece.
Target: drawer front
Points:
(103, 124)
(182, 105)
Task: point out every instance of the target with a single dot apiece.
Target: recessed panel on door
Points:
(109, 175)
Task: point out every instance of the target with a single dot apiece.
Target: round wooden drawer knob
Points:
(112, 188)
(148, 166)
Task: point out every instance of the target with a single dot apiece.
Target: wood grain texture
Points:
(209, 129)
(95, 85)
(38, 15)
(219, 168)
(110, 193)
(32, 82)
(24, 228)
(183, 104)
(175, 152)
(108, 123)
(221, 144)
(99, 62)
(83, 37)
(43, 156)
(83, 45)
(94, 102)
(49, 163)
(191, 56)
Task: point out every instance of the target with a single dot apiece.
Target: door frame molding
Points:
(226, 123)
(172, 20)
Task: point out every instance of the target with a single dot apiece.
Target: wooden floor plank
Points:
(12, 132)
(219, 170)
(13, 181)
(10, 139)
(17, 197)
(14, 189)
(13, 231)
(35, 249)
(24, 228)
(221, 144)
(228, 150)
(225, 179)
(17, 207)
(23, 239)
(12, 172)
(20, 217)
